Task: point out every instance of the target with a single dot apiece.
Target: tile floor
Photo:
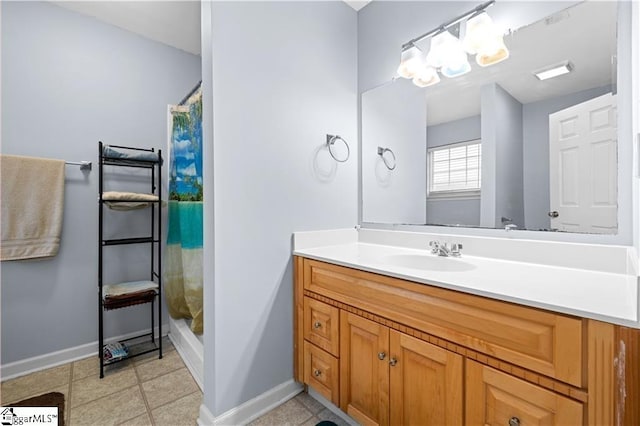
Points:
(301, 410)
(141, 391)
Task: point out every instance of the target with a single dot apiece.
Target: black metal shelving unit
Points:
(148, 296)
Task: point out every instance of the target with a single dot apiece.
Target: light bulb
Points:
(411, 60)
(456, 65)
(427, 76)
(492, 55)
(479, 30)
(448, 55)
(485, 40)
(442, 46)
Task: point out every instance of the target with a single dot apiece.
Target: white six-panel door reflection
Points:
(583, 167)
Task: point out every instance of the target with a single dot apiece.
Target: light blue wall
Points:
(509, 196)
(284, 75)
(67, 82)
(394, 116)
(450, 212)
(501, 158)
(536, 153)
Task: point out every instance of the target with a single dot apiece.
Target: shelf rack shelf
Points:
(123, 295)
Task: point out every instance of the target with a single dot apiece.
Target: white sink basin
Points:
(428, 262)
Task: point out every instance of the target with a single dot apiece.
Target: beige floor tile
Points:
(167, 347)
(309, 403)
(91, 366)
(170, 361)
(288, 414)
(92, 387)
(182, 412)
(313, 421)
(169, 387)
(110, 410)
(64, 389)
(142, 420)
(35, 383)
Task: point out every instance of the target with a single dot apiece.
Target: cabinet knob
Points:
(553, 214)
(381, 355)
(317, 372)
(514, 421)
(393, 361)
(317, 324)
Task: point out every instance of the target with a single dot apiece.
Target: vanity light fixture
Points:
(411, 61)
(554, 71)
(448, 53)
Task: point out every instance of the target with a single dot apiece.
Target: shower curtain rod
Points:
(186, 98)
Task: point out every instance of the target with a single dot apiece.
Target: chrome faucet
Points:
(443, 249)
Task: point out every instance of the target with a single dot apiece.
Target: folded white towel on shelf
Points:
(127, 200)
(32, 197)
(128, 287)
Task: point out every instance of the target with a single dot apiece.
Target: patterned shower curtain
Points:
(183, 255)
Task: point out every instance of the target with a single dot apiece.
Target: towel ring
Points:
(331, 140)
(388, 163)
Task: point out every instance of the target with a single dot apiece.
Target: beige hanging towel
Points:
(32, 196)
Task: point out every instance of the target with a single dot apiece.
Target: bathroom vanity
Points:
(375, 337)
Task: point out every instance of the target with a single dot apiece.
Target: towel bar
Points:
(84, 165)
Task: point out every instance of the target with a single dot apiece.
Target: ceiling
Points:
(585, 34)
(357, 5)
(175, 23)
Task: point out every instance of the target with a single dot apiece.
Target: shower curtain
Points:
(183, 264)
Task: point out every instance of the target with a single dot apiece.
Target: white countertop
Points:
(606, 296)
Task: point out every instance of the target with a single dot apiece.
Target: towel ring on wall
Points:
(391, 164)
(331, 140)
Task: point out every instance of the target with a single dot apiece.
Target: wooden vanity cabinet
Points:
(426, 383)
(387, 377)
(321, 371)
(496, 398)
(364, 369)
(393, 352)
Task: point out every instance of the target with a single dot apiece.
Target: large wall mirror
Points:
(498, 147)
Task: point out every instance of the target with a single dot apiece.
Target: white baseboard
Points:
(64, 356)
(252, 409)
(206, 418)
(189, 347)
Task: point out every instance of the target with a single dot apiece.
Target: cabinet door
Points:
(426, 383)
(496, 398)
(364, 369)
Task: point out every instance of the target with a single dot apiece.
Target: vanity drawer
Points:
(322, 325)
(541, 341)
(321, 372)
(496, 398)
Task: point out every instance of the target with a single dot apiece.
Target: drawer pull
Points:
(514, 421)
(381, 355)
(317, 324)
(393, 361)
(317, 373)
